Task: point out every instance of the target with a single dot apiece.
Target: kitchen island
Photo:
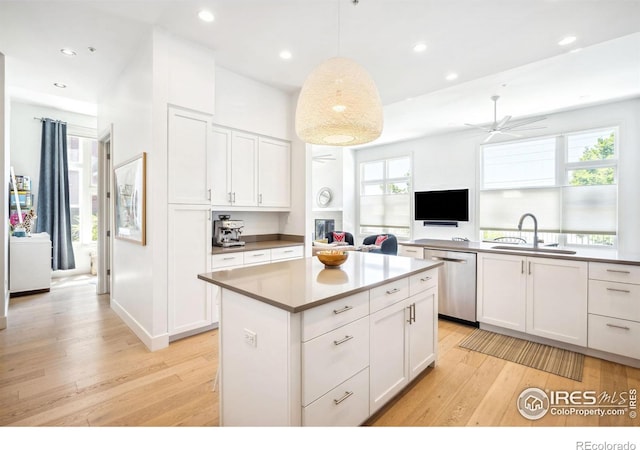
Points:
(301, 344)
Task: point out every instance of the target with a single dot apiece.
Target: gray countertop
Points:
(302, 284)
(582, 254)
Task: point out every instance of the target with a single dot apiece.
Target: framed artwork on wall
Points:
(130, 199)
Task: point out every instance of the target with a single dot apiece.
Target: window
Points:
(82, 156)
(568, 182)
(385, 201)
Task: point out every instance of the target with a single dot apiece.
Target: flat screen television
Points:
(447, 205)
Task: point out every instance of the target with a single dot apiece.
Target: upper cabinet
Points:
(250, 172)
(274, 173)
(190, 144)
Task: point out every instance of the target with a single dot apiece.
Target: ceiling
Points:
(509, 48)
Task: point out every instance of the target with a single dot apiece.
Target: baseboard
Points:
(624, 360)
(185, 334)
(153, 343)
(3, 322)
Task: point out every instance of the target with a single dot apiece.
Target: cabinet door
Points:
(244, 169)
(557, 299)
(189, 253)
(274, 173)
(502, 290)
(220, 167)
(388, 365)
(422, 331)
(189, 179)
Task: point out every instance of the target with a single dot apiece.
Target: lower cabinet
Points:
(544, 297)
(402, 345)
(190, 301)
(411, 251)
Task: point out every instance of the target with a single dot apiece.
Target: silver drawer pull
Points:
(346, 395)
(228, 258)
(618, 326)
(619, 271)
(619, 290)
(288, 251)
(343, 340)
(257, 254)
(425, 279)
(411, 251)
(341, 310)
(393, 291)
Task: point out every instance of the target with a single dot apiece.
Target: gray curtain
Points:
(53, 194)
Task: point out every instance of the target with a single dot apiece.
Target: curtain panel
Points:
(53, 208)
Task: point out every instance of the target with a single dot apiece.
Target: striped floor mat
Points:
(554, 360)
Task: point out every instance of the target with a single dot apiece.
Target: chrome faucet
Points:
(535, 227)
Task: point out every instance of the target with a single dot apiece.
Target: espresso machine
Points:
(226, 232)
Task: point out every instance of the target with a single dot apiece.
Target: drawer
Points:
(422, 281)
(345, 406)
(614, 272)
(388, 294)
(327, 317)
(227, 260)
(616, 336)
(412, 252)
(620, 300)
(256, 257)
(294, 251)
(334, 357)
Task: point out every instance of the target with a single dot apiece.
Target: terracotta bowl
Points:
(332, 258)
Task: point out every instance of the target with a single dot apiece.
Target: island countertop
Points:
(301, 284)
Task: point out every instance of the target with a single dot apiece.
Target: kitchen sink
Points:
(531, 249)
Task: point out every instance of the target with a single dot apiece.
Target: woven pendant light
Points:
(339, 105)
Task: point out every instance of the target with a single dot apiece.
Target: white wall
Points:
(26, 137)
(128, 106)
(249, 105)
(4, 191)
(450, 161)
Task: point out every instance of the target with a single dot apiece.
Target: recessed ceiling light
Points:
(67, 52)
(60, 85)
(452, 76)
(285, 54)
(567, 40)
(419, 47)
(206, 16)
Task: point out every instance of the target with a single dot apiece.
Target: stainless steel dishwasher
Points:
(457, 284)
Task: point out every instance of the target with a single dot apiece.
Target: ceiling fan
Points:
(505, 126)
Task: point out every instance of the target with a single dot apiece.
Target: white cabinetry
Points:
(614, 309)
(540, 296)
(189, 175)
(557, 299)
(29, 263)
(411, 251)
(190, 300)
(255, 257)
(403, 336)
(502, 285)
(274, 173)
(250, 171)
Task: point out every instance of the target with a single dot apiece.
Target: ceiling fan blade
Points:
(525, 129)
(491, 135)
(510, 134)
(503, 122)
(478, 127)
(521, 122)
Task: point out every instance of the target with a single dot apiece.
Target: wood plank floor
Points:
(66, 359)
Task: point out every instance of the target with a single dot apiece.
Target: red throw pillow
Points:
(380, 239)
(338, 237)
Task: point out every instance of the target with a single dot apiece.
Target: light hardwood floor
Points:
(66, 359)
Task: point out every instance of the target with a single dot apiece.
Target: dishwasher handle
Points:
(456, 260)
